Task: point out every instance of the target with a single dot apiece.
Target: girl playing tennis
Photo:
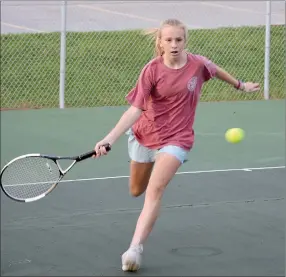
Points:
(160, 122)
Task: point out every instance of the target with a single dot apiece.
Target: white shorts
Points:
(142, 154)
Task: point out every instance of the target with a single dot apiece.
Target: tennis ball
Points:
(234, 135)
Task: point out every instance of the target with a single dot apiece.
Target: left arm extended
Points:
(226, 77)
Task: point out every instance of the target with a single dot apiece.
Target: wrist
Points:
(239, 85)
(110, 138)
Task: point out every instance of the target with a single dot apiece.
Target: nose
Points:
(174, 44)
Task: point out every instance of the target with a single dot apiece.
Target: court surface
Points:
(45, 16)
(223, 214)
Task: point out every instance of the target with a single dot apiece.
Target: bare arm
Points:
(124, 123)
(226, 77)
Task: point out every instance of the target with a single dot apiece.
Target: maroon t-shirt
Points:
(168, 98)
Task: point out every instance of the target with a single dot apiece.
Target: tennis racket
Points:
(31, 177)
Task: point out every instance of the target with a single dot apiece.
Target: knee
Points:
(137, 188)
(155, 193)
(135, 191)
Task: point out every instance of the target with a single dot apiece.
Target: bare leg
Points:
(158, 181)
(168, 164)
(139, 177)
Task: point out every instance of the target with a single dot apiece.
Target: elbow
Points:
(132, 114)
(134, 111)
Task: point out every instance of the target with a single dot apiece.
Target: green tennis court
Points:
(223, 213)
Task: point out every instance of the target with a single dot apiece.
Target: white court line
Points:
(182, 173)
(128, 15)
(237, 9)
(118, 13)
(21, 27)
(178, 173)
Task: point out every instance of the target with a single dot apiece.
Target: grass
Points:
(102, 67)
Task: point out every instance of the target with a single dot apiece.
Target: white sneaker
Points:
(132, 258)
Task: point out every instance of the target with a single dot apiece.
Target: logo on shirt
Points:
(192, 83)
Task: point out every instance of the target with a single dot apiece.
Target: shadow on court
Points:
(214, 221)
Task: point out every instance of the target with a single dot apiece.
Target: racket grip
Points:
(91, 153)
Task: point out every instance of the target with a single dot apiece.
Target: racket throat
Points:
(64, 171)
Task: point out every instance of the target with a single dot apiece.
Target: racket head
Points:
(29, 178)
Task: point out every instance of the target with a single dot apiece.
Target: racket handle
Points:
(91, 153)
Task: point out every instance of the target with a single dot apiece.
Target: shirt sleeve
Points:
(140, 94)
(209, 70)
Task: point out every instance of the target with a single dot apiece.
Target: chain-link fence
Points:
(105, 54)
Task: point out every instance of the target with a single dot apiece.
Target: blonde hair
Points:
(156, 33)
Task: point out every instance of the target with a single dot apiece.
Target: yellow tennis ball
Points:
(234, 135)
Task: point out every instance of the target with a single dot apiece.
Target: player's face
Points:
(172, 41)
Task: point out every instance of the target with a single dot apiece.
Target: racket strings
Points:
(30, 177)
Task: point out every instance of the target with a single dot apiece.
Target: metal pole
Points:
(267, 50)
(63, 54)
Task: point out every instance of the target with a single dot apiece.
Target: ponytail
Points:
(154, 34)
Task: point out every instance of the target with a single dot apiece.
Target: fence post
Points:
(267, 50)
(63, 54)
